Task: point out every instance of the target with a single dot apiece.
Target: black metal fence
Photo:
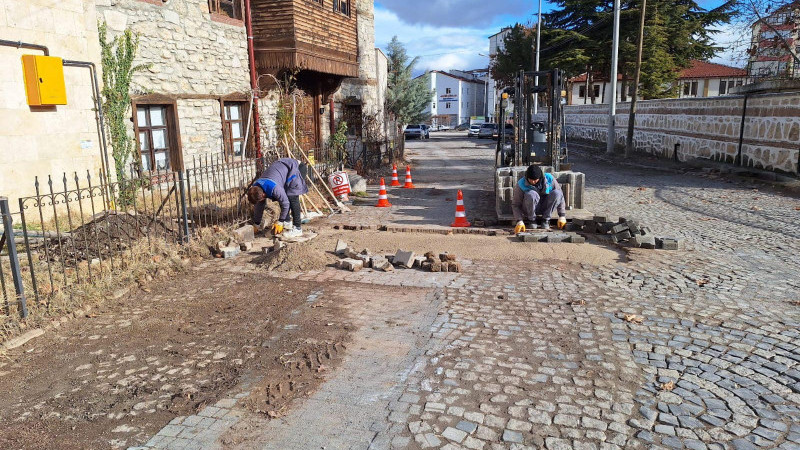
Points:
(10, 272)
(78, 229)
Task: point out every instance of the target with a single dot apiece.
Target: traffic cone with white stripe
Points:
(383, 198)
(461, 213)
(395, 180)
(409, 184)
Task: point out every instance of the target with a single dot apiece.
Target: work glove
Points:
(562, 222)
(520, 228)
(277, 228)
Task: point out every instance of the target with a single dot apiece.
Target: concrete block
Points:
(576, 239)
(244, 234)
(600, 219)
(353, 265)
(590, 227)
(557, 237)
(230, 252)
(619, 228)
(366, 259)
(350, 253)
(645, 241)
(533, 237)
(670, 243)
(579, 222)
(419, 260)
(445, 266)
(446, 257)
(426, 266)
(405, 259)
(454, 266)
(246, 246)
(633, 225)
(645, 230)
(341, 246)
(436, 266)
(379, 262)
(619, 237)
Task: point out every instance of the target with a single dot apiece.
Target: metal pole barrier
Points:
(183, 207)
(8, 226)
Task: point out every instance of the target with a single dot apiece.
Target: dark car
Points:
(487, 130)
(463, 127)
(508, 131)
(414, 131)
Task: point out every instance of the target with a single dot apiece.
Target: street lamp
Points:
(536, 68)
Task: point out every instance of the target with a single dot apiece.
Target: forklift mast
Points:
(536, 140)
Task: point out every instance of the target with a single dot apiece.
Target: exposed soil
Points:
(296, 258)
(114, 378)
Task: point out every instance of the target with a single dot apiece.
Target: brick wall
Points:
(706, 128)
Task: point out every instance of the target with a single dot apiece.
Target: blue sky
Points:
(451, 34)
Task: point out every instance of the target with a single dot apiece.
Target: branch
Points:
(783, 40)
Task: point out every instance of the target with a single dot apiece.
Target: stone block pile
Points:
(625, 231)
(350, 259)
(551, 237)
(242, 241)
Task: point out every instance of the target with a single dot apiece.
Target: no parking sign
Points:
(340, 184)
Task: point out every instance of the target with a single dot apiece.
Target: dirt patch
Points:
(113, 378)
(472, 247)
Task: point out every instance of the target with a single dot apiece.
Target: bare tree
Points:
(772, 15)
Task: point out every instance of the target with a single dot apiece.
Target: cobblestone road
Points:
(698, 348)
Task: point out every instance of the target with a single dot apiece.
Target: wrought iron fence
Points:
(11, 282)
(78, 229)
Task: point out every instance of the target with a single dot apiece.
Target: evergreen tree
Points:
(518, 55)
(406, 98)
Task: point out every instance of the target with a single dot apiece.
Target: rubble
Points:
(430, 262)
(626, 230)
(405, 259)
(353, 265)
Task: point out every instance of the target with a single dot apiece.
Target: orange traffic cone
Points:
(395, 180)
(383, 199)
(461, 213)
(409, 184)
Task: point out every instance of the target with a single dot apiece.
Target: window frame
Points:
(342, 7)
(217, 14)
(582, 91)
(172, 125)
(228, 140)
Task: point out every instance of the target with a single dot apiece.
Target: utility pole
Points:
(613, 109)
(632, 116)
(536, 57)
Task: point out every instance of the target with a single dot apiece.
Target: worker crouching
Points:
(282, 182)
(536, 196)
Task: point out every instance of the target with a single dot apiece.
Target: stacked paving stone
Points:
(551, 237)
(355, 261)
(627, 231)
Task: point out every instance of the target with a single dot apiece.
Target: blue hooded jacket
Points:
(546, 186)
(281, 180)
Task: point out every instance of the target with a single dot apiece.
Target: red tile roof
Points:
(705, 69)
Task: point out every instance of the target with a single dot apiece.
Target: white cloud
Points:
(455, 12)
(439, 48)
(734, 40)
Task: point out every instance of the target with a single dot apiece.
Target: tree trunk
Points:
(632, 116)
(586, 92)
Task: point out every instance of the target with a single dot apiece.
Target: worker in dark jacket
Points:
(538, 194)
(281, 182)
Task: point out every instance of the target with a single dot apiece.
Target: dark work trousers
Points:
(297, 212)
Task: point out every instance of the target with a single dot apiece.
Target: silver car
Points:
(473, 130)
(487, 130)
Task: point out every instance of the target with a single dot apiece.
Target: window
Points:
(690, 88)
(342, 6)
(448, 91)
(447, 105)
(723, 87)
(582, 91)
(226, 8)
(233, 128)
(155, 137)
(596, 90)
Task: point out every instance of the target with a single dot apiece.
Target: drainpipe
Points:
(253, 76)
(99, 107)
(20, 44)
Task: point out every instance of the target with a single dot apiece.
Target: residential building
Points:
(457, 96)
(37, 141)
(700, 79)
(772, 38)
(497, 43)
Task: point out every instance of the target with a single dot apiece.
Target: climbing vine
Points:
(117, 56)
(338, 142)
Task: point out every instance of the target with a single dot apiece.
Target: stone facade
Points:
(195, 59)
(42, 141)
(705, 128)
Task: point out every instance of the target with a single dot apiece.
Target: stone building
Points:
(44, 140)
(193, 99)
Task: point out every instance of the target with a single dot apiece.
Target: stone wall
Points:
(705, 128)
(193, 59)
(40, 141)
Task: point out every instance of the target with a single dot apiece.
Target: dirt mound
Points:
(296, 258)
(104, 236)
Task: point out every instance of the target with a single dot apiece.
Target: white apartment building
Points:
(457, 96)
(496, 43)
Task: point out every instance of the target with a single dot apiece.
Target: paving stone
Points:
(404, 259)
(467, 427)
(454, 434)
(512, 436)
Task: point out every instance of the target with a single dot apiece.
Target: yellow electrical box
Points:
(44, 80)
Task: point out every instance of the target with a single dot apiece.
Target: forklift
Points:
(536, 139)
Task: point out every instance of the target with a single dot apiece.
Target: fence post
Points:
(8, 227)
(185, 218)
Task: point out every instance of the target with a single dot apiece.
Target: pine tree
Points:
(406, 98)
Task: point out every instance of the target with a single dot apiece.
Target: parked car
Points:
(463, 127)
(414, 131)
(508, 131)
(487, 130)
(474, 129)
(427, 130)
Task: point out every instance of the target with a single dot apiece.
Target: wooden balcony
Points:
(306, 35)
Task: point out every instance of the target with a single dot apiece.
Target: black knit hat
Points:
(534, 173)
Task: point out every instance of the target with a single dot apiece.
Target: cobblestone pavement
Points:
(698, 348)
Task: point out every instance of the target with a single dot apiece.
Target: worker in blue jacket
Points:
(537, 194)
(281, 182)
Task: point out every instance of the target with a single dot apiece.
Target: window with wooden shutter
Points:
(231, 9)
